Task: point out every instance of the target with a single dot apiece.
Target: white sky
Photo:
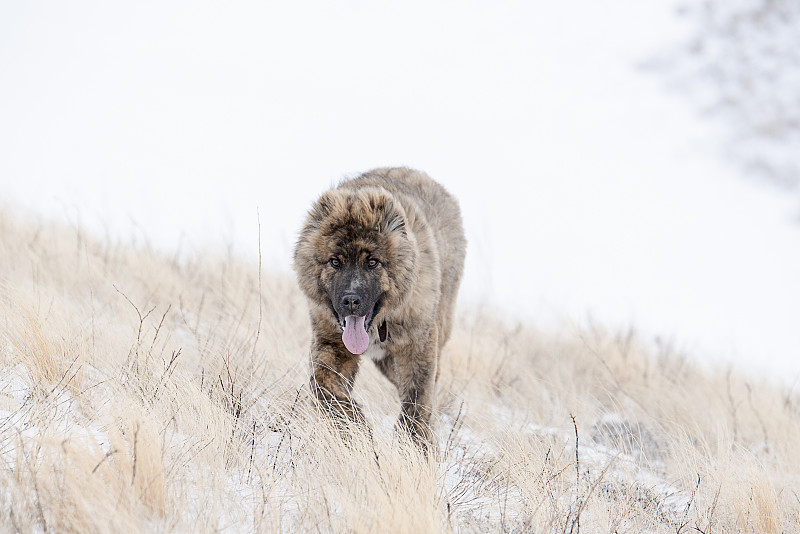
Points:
(587, 191)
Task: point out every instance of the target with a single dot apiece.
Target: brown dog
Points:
(380, 259)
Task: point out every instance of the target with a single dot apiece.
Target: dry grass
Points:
(140, 393)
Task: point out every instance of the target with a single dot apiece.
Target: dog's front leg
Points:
(333, 372)
(416, 377)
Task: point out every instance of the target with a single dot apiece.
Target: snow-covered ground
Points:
(608, 460)
(589, 193)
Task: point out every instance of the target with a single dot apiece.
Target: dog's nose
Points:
(351, 302)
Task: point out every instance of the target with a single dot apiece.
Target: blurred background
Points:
(627, 164)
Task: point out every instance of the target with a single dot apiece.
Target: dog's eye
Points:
(371, 264)
(335, 263)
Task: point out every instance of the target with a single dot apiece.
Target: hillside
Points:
(145, 393)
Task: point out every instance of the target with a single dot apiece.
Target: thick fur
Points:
(410, 226)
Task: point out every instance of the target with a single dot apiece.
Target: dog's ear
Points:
(323, 207)
(392, 218)
(397, 223)
(387, 216)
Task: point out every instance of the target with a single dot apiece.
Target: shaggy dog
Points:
(380, 260)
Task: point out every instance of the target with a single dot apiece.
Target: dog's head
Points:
(356, 255)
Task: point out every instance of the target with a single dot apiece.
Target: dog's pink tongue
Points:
(355, 336)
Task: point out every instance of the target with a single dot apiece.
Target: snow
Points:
(468, 471)
(62, 417)
(590, 193)
(622, 475)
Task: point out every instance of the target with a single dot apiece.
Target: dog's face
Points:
(353, 285)
(356, 257)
